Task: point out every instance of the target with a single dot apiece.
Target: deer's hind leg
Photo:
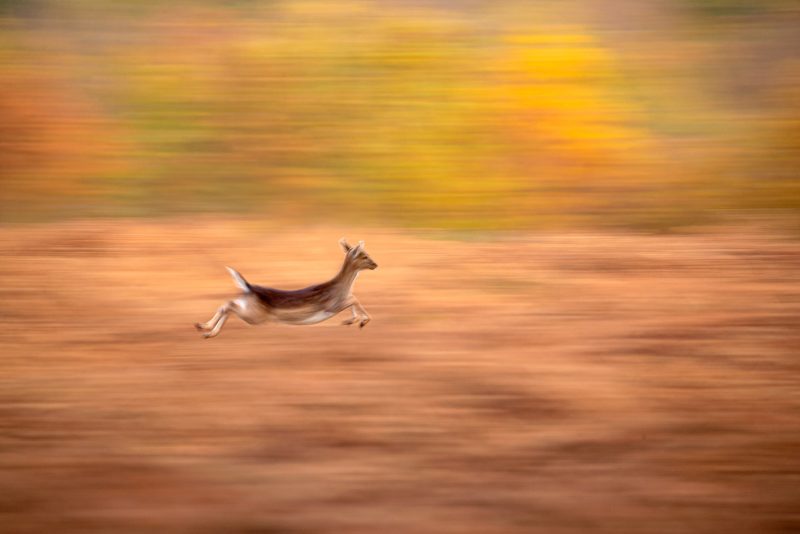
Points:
(208, 325)
(214, 325)
(245, 307)
(218, 326)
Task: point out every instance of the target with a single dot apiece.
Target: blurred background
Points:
(587, 311)
(453, 114)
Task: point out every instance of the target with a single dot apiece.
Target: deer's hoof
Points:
(199, 326)
(363, 323)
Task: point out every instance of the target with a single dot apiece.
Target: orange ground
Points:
(537, 383)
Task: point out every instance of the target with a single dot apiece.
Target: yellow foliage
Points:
(452, 120)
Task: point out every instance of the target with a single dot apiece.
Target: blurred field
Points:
(537, 382)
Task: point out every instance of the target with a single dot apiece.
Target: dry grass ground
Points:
(558, 383)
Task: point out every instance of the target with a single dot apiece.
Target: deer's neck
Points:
(346, 276)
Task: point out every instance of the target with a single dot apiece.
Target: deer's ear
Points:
(344, 245)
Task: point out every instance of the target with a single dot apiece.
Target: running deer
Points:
(311, 305)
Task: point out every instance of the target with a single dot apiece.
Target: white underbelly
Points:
(307, 318)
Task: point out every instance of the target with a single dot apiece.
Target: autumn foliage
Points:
(457, 117)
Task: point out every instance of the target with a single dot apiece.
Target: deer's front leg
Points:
(360, 315)
(358, 308)
(353, 319)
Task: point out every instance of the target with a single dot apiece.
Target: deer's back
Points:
(317, 294)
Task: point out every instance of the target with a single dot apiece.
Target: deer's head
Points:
(357, 256)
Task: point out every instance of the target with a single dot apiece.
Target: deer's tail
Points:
(239, 280)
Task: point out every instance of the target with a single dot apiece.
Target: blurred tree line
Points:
(432, 114)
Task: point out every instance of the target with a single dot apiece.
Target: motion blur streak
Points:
(565, 382)
(587, 312)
